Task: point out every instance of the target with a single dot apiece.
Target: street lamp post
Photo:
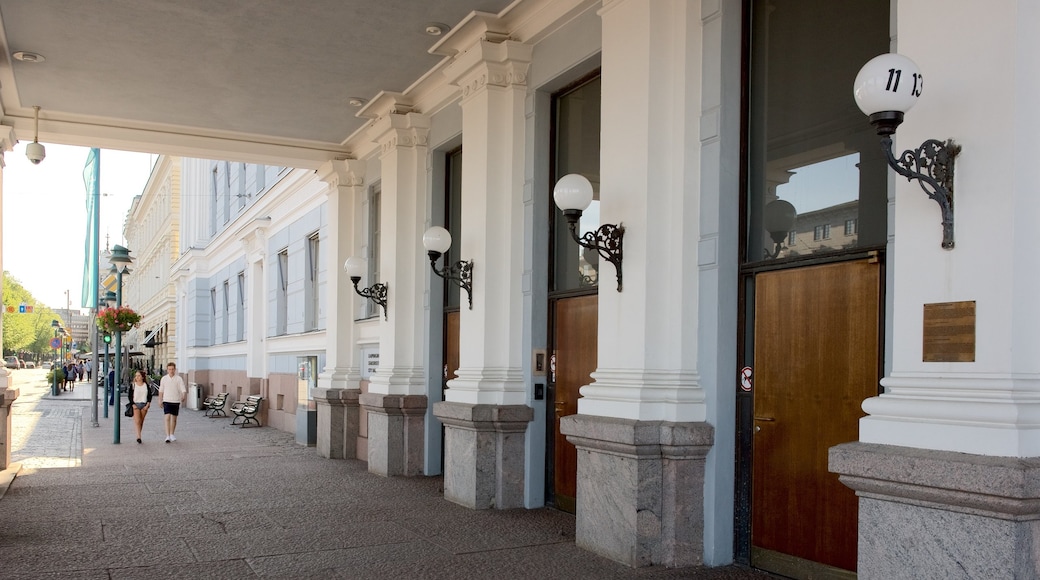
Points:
(54, 369)
(109, 299)
(120, 265)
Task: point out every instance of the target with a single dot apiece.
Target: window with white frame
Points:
(227, 191)
(282, 298)
(213, 315)
(225, 315)
(215, 186)
(311, 283)
(851, 227)
(240, 313)
(374, 195)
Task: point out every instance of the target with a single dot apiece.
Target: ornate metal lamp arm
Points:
(931, 165)
(376, 293)
(607, 240)
(461, 273)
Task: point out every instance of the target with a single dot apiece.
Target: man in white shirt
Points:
(172, 393)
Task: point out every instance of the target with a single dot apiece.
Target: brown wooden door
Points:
(573, 362)
(817, 340)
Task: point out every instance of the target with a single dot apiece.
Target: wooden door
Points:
(817, 340)
(574, 360)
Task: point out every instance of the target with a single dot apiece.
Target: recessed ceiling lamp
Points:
(437, 28)
(26, 56)
(355, 101)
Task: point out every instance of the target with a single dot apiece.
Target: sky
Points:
(45, 215)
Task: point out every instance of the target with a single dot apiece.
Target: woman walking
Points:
(141, 397)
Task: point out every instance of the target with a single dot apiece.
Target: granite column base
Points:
(940, 514)
(338, 422)
(7, 397)
(395, 433)
(640, 497)
(484, 453)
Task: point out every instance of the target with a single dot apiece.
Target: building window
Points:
(792, 236)
(227, 191)
(311, 283)
(216, 200)
(822, 232)
(212, 316)
(282, 298)
(261, 174)
(225, 315)
(851, 227)
(374, 194)
(241, 189)
(240, 314)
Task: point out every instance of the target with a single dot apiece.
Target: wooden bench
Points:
(215, 404)
(247, 410)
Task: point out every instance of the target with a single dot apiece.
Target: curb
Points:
(7, 477)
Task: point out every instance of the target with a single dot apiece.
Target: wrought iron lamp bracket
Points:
(931, 165)
(608, 240)
(461, 273)
(376, 293)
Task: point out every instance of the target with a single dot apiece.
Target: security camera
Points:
(35, 152)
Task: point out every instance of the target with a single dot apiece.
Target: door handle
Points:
(560, 407)
(765, 419)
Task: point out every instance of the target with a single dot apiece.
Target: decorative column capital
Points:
(490, 64)
(401, 130)
(342, 173)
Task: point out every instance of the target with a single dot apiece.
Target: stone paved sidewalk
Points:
(228, 502)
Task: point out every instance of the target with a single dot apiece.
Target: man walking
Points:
(172, 393)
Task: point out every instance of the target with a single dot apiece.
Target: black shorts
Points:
(171, 408)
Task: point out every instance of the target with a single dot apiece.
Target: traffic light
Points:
(107, 337)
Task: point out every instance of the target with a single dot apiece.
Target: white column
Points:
(346, 180)
(396, 400)
(338, 391)
(650, 171)
(983, 94)
(403, 142)
(493, 80)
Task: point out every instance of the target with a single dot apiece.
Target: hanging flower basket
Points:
(119, 319)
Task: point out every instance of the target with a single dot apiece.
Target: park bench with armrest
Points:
(215, 404)
(247, 410)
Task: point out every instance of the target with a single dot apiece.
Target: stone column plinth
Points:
(395, 433)
(338, 420)
(7, 397)
(942, 514)
(484, 453)
(640, 488)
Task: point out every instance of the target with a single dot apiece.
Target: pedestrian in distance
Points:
(141, 396)
(89, 367)
(172, 393)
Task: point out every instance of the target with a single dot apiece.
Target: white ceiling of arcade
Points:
(249, 80)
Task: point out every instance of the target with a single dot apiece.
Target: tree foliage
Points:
(30, 331)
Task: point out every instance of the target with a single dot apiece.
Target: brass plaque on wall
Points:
(949, 332)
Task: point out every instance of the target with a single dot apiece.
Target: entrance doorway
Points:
(816, 216)
(817, 337)
(573, 284)
(573, 360)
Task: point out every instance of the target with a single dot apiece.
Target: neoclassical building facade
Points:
(705, 379)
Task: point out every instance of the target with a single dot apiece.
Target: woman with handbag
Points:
(141, 397)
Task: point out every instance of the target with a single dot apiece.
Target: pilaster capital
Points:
(490, 64)
(342, 173)
(254, 240)
(396, 130)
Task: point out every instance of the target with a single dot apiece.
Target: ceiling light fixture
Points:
(355, 101)
(436, 28)
(35, 151)
(26, 56)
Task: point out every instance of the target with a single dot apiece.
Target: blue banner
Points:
(92, 182)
